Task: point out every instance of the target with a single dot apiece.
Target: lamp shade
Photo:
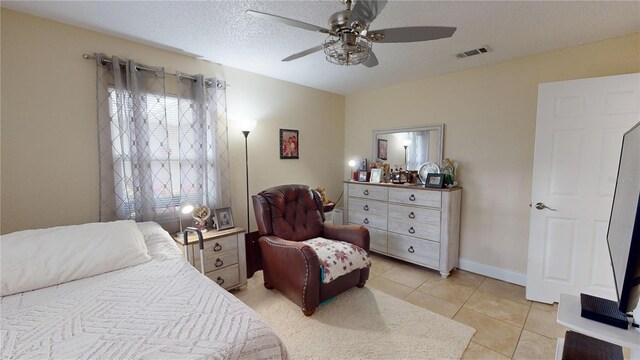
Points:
(352, 163)
(406, 142)
(247, 125)
(186, 208)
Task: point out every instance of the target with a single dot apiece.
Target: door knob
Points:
(542, 206)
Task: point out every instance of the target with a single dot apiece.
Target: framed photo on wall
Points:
(224, 218)
(434, 181)
(382, 149)
(289, 144)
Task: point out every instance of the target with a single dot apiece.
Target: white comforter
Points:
(162, 309)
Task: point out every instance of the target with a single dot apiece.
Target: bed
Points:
(160, 309)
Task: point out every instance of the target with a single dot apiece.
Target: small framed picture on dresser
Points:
(434, 181)
(362, 176)
(376, 175)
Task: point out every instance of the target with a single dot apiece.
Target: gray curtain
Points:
(203, 142)
(156, 148)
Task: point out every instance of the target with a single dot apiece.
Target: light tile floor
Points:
(507, 325)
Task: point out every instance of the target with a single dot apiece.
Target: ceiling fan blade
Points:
(304, 53)
(371, 61)
(411, 34)
(365, 11)
(290, 22)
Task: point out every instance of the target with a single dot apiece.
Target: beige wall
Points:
(489, 115)
(49, 172)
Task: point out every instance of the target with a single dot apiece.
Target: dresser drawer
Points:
(424, 252)
(369, 192)
(417, 197)
(215, 260)
(378, 240)
(367, 206)
(417, 230)
(414, 214)
(413, 221)
(368, 220)
(227, 277)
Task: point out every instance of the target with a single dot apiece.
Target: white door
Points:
(579, 130)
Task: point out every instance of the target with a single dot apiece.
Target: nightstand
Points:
(224, 256)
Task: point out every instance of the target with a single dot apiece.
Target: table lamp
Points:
(352, 164)
(186, 207)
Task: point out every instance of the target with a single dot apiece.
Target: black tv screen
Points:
(623, 236)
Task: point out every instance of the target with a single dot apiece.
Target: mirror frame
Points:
(439, 127)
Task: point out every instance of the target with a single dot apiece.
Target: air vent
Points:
(478, 51)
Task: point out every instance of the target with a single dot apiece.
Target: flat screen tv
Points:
(623, 235)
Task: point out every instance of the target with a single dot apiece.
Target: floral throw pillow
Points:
(338, 258)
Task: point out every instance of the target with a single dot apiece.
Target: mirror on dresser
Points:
(424, 144)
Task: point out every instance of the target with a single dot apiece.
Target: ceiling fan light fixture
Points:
(340, 52)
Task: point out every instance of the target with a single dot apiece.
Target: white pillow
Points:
(33, 259)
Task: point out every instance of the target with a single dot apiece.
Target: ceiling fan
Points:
(350, 40)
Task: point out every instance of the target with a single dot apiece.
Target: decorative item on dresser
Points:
(224, 255)
(412, 223)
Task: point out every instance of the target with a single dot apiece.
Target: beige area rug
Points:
(360, 324)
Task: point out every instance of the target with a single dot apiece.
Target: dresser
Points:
(224, 256)
(409, 222)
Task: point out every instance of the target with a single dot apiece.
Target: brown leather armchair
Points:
(287, 215)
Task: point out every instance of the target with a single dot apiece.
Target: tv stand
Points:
(569, 309)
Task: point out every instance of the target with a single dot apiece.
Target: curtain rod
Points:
(219, 84)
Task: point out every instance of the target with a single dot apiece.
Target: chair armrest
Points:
(355, 234)
(293, 269)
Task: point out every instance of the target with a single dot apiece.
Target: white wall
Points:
(49, 172)
(489, 115)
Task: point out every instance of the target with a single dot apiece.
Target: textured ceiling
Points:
(221, 32)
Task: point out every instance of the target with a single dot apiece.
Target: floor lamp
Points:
(406, 144)
(246, 128)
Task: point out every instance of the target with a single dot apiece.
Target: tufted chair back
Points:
(291, 212)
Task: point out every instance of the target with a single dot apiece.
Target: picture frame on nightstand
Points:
(224, 218)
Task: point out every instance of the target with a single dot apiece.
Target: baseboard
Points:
(494, 272)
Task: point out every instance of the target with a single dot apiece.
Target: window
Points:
(166, 185)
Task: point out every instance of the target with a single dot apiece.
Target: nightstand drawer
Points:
(227, 277)
(215, 260)
(220, 245)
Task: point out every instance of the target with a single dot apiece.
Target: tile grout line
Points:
(522, 330)
(465, 302)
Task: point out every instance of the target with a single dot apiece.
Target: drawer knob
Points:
(409, 250)
(220, 280)
(412, 197)
(412, 215)
(366, 192)
(411, 231)
(219, 262)
(366, 221)
(366, 208)
(217, 247)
